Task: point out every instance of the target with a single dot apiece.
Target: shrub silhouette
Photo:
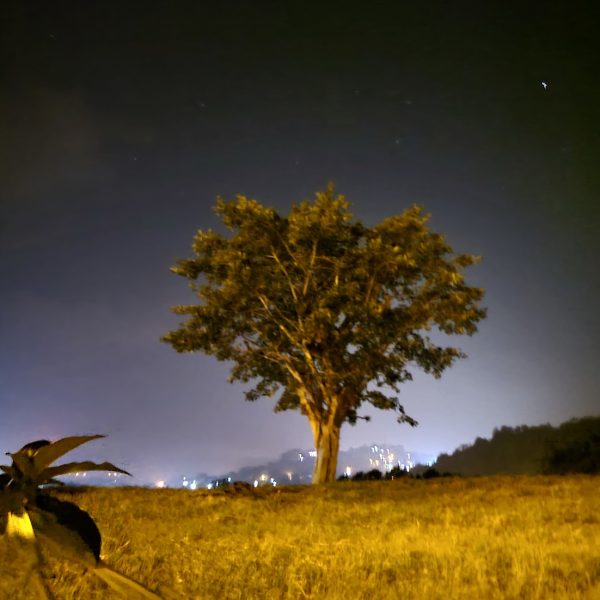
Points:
(575, 456)
(374, 474)
(431, 474)
(397, 473)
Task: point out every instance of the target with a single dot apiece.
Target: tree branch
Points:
(286, 274)
(309, 272)
(264, 301)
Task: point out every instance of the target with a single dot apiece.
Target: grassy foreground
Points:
(495, 537)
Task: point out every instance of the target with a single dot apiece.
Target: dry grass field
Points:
(475, 538)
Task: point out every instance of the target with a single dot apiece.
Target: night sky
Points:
(120, 125)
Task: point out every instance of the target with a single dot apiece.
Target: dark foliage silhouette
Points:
(573, 447)
(34, 522)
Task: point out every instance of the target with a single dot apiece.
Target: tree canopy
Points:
(323, 313)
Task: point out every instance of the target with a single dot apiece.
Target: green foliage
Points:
(573, 447)
(31, 464)
(29, 516)
(576, 448)
(320, 309)
(581, 456)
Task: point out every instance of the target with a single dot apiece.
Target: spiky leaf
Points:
(23, 464)
(10, 501)
(123, 585)
(47, 454)
(57, 482)
(70, 530)
(78, 467)
(10, 471)
(32, 447)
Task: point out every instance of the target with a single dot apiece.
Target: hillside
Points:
(573, 446)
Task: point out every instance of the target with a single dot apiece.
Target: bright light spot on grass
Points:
(160, 484)
(19, 526)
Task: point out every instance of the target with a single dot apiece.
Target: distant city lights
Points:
(290, 472)
(372, 457)
(386, 459)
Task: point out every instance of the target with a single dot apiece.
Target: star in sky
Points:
(118, 153)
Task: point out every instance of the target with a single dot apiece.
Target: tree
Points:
(323, 313)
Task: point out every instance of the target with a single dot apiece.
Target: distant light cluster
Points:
(375, 456)
(95, 478)
(387, 460)
(190, 485)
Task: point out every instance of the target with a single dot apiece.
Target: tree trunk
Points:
(327, 444)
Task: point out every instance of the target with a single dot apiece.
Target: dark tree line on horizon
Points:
(572, 447)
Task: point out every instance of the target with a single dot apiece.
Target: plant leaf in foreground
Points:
(29, 515)
(78, 467)
(47, 454)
